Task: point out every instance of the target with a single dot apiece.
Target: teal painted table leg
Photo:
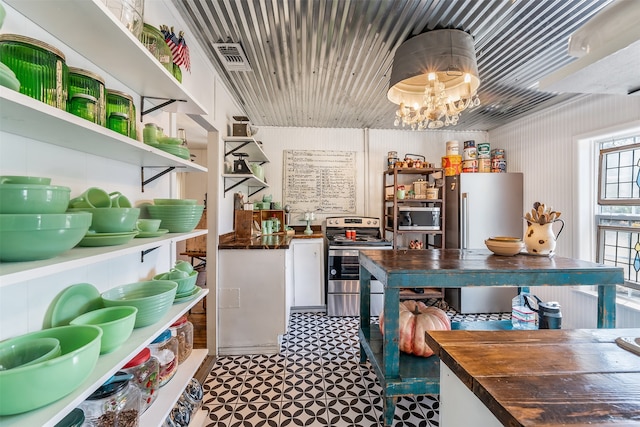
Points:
(607, 306)
(365, 310)
(389, 410)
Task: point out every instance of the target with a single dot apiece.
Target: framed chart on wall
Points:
(320, 180)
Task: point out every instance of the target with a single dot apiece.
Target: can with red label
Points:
(470, 166)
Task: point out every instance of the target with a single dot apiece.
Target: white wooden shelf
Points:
(246, 145)
(232, 180)
(15, 272)
(94, 32)
(108, 364)
(55, 126)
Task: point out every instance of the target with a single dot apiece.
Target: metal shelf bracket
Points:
(153, 178)
(146, 251)
(157, 107)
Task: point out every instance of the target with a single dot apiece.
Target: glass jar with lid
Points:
(85, 106)
(121, 103)
(146, 375)
(165, 349)
(40, 68)
(149, 133)
(88, 84)
(182, 329)
(153, 39)
(115, 403)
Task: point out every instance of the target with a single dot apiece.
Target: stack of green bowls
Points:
(33, 221)
(153, 299)
(176, 217)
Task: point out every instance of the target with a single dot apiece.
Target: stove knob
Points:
(369, 222)
(333, 272)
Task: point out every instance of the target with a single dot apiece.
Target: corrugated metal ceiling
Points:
(326, 63)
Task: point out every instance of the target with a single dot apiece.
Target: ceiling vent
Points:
(232, 56)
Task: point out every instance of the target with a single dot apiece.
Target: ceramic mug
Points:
(148, 225)
(118, 200)
(92, 198)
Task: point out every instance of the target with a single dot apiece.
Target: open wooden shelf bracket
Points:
(144, 112)
(153, 178)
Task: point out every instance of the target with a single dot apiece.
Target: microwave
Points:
(419, 218)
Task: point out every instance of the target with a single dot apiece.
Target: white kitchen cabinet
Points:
(308, 272)
(25, 122)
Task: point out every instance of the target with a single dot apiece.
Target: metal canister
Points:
(469, 144)
(452, 165)
(392, 158)
(453, 148)
(484, 164)
(484, 150)
(40, 68)
(470, 166)
(497, 153)
(498, 165)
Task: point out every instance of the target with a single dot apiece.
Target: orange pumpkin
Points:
(416, 318)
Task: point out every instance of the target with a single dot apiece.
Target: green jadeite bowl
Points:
(177, 219)
(152, 298)
(30, 198)
(116, 324)
(173, 202)
(27, 352)
(111, 220)
(22, 179)
(29, 387)
(185, 284)
(29, 237)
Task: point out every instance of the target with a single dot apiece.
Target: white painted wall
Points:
(544, 146)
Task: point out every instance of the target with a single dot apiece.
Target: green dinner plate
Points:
(191, 295)
(72, 302)
(160, 232)
(107, 239)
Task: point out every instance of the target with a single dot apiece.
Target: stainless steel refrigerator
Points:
(479, 206)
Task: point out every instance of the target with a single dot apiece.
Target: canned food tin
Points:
(470, 166)
(497, 153)
(484, 149)
(469, 154)
(452, 165)
(498, 165)
(484, 165)
(432, 193)
(470, 144)
(453, 148)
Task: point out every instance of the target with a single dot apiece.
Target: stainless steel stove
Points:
(346, 236)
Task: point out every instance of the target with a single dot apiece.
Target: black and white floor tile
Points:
(316, 380)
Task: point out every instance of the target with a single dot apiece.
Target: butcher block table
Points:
(403, 374)
(537, 378)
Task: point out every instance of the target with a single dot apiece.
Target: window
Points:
(618, 214)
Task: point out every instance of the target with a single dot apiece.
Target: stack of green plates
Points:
(176, 150)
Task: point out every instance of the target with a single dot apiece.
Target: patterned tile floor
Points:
(315, 380)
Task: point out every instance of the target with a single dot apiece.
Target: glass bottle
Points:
(182, 330)
(146, 375)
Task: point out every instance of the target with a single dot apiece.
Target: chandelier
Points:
(434, 78)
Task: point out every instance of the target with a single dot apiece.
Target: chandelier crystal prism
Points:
(434, 78)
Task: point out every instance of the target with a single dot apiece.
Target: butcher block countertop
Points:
(546, 377)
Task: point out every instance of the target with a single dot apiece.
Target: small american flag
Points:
(178, 46)
(185, 58)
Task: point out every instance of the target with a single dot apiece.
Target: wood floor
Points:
(198, 317)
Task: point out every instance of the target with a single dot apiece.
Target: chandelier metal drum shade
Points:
(434, 78)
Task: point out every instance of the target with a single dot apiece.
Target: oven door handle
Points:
(343, 252)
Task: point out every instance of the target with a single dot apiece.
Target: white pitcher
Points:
(539, 238)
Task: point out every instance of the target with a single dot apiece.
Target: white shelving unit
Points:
(131, 63)
(15, 272)
(110, 363)
(72, 21)
(255, 153)
(58, 127)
